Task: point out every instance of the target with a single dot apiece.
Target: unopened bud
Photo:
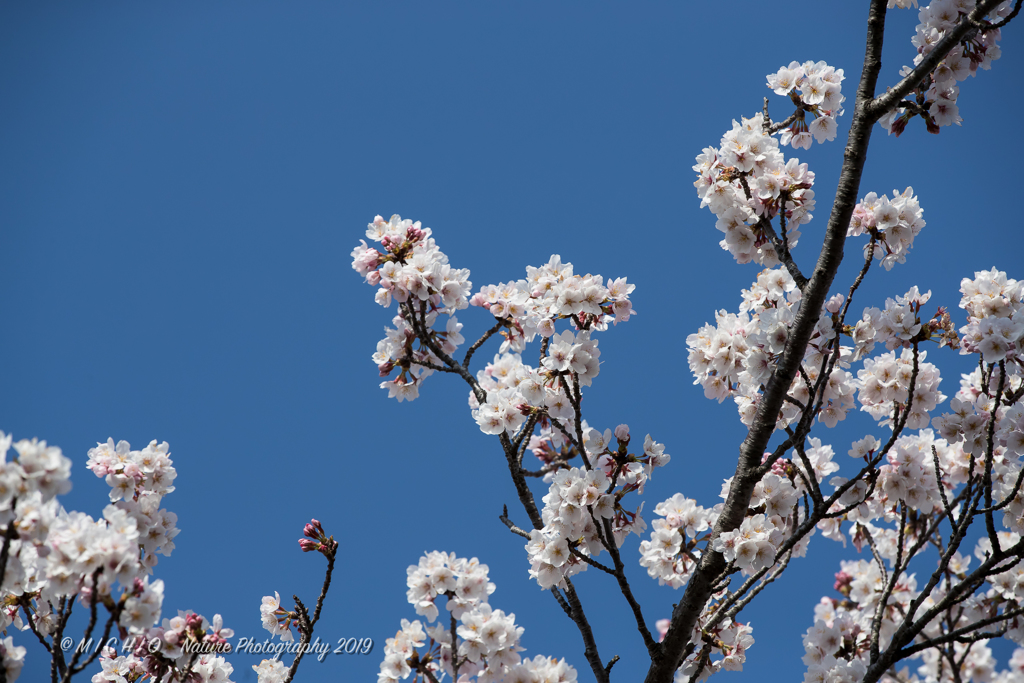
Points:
(622, 433)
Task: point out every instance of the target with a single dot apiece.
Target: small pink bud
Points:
(308, 545)
(622, 433)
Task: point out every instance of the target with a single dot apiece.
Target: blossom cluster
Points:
(995, 323)
(56, 554)
(746, 182)
(908, 476)
(919, 471)
(729, 641)
(530, 307)
(411, 266)
(671, 555)
(737, 356)
(937, 95)
(837, 646)
(969, 424)
(138, 482)
(552, 292)
(582, 505)
(752, 546)
(814, 87)
(270, 671)
(894, 224)
(37, 473)
(574, 506)
(275, 618)
(437, 574)
(515, 390)
(415, 272)
(899, 324)
(487, 646)
(12, 658)
(884, 387)
(169, 650)
(411, 270)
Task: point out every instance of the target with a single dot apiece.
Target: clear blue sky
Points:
(181, 185)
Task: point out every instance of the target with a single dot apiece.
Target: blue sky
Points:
(181, 185)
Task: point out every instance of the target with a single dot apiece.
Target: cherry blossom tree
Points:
(52, 559)
(931, 500)
(935, 501)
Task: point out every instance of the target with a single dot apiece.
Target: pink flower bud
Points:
(622, 433)
(308, 545)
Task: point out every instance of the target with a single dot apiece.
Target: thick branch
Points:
(699, 589)
(880, 106)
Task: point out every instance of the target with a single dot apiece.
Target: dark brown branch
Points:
(653, 647)
(987, 26)
(323, 590)
(591, 561)
(699, 589)
(58, 667)
(480, 342)
(990, 457)
(561, 602)
(874, 552)
(305, 632)
(26, 607)
(432, 366)
(88, 629)
(776, 127)
(781, 249)
(897, 569)
(511, 526)
(10, 533)
(955, 634)
(115, 614)
(880, 106)
(426, 336)
(590, 645)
